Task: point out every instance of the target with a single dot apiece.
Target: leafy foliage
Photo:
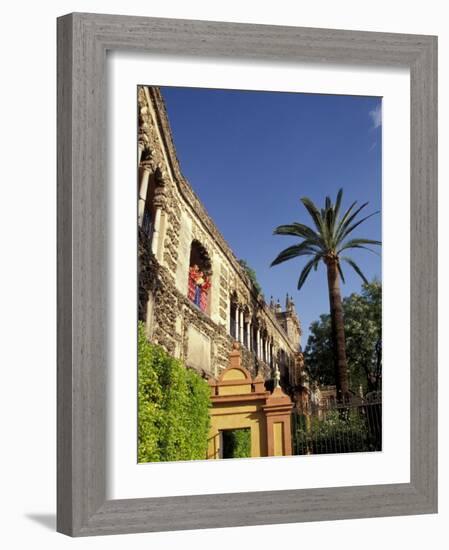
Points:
(327, 239)
(173, 405)
(251, 274)
(149, 399)
(338, 432)
(237, 443)
(363, 331)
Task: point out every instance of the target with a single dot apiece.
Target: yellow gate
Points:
(239, 401)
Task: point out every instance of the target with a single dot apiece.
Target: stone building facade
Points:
(195, 297)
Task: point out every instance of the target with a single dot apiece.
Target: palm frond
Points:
(329, 226)
(346, 214)
(355, 267)
(298, 230)
(362, 240)
(346, 220)
(353, 226)
(303, 249)
(341, 272)
(314, 213)
(338, 203)
(306, 270)
(358, 246)
(360, 243)
(326, 236)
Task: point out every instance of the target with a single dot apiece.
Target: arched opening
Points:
(148, 216)
(233, 316)
(254, 339)
(284, 368)
(200, 273)
(149, 212)
(265, 346)
(246, 327)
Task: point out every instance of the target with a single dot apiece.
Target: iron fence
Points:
(330, 427)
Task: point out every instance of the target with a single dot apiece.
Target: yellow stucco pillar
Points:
(278, 410)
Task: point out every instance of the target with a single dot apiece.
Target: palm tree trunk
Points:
(338, 330)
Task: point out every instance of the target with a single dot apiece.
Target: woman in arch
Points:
(199, 276)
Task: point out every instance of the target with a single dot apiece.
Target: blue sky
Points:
(250, 156)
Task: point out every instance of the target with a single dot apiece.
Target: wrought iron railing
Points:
(330, 427)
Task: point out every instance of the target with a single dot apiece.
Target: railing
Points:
(330, 427)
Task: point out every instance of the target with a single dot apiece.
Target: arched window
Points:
(246, 323)
(149, 210)
(254, 341)
(233, 326)
(200, 272)
(148, 219)
(283, 367)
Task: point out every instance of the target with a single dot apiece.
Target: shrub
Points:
(341, 431)
(252, 275)
(149, 400)
(173, 405)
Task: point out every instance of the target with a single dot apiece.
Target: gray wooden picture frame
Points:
(83, 40)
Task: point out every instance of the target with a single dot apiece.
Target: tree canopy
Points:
(327, 239)
(363, 331)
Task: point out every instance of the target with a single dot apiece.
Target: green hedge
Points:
(173, 403)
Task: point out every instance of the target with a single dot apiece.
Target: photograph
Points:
(229, 240)
(259, 246)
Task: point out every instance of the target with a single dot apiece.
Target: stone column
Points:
(248, 334)
(143, 188)
(229, 311)
(237, 323)
(241, 326)
(258, 344)
(157, 223)
(140, 150)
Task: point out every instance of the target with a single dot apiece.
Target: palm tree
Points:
(326, 242)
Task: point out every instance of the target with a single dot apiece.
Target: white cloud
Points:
(376, 116)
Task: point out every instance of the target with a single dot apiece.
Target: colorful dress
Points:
(198, 287)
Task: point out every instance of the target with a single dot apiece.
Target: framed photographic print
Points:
(246, 274)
